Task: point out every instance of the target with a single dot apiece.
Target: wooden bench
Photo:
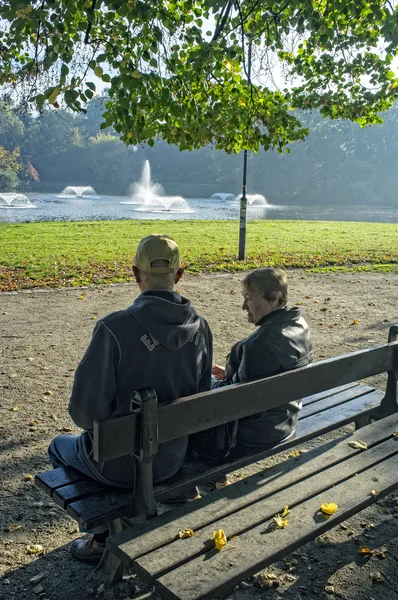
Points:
(190, 569)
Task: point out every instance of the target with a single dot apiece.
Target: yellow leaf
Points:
(294, 454)
(220, 539)
(34, 549)
(280, 522)
(48, 393)
(14, 527)
(365, 550)
(375, 492)
(358, 445)
(355, 322)
(14, 409)
(395, 433)
(82, 296)
(185, 533)
(28, 477)
(329, 508)
(285, 511)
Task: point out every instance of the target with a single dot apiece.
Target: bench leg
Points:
(110, 569)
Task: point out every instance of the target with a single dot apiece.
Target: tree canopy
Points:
(181, 68)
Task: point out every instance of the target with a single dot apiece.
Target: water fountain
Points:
(78, 191)
(149, 196)
(15, 200)
(223, 197)
(255, 200)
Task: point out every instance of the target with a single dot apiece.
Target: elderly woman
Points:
(280, 342)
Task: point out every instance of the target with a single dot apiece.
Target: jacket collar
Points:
(279, 316)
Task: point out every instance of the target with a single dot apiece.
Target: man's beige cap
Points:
(157, 247)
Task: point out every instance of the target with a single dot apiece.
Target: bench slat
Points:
(214, 573)
(145, 538)
(51, 480)
(334, 400)
(327, 393)
(101, 507)
(76, 491)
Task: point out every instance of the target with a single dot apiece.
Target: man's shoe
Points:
(183, 497)
(87, 549)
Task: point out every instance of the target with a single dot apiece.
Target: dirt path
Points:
(43, 335)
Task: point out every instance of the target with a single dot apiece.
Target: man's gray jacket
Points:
(281, 342)
(158, 342)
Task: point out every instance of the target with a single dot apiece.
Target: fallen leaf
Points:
(377, 576)
(285, 511)
(298, 303)
(53, 416)
(268, 580)
(280, 521)
(294, 454)
(329, 508)
(185, 533)
(31, 423)
(28, 477)
(94, 318)
(14, 409)
(380, 554)
(374, 492)
(82, 296)
(66, 429)
(34, 549)
(395, 433)
(358, 445)
(233, 291)
(329, 589)
(14, 527)
(365, 550)
(220, 539)
(355, 322)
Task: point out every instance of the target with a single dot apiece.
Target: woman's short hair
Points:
(270, 282)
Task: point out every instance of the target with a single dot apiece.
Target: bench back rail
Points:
(121, 435)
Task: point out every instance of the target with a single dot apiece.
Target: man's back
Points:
(158, 342)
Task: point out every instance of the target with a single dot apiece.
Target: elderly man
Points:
(160, 342)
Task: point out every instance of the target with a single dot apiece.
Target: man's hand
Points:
(218, 372)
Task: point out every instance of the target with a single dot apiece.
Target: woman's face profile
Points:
(255, 304)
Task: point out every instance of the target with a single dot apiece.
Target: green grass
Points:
(79, 253)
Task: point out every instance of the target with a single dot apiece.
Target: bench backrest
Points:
(184, 416)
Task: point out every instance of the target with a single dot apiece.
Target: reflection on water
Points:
(53, 208)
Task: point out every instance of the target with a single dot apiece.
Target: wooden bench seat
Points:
(88, 501)
(190, 569)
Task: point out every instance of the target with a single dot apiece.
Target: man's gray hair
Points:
(270, 282)
(159, 281)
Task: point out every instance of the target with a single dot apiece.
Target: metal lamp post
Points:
(243, 200)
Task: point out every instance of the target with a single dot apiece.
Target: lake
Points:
(50, 207)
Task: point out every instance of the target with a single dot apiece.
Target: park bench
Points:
(352, 476)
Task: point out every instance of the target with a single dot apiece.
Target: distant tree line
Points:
(338, 163)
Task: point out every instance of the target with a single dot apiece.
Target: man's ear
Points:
(178, 275)
(137, 274)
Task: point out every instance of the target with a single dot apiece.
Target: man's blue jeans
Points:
(64, 451)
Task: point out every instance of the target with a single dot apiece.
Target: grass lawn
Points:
(59, 254)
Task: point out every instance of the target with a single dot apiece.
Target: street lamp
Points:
(243, 200)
